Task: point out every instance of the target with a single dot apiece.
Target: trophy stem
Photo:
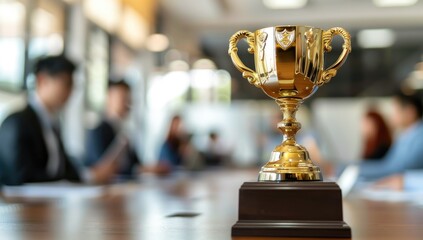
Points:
(289, 161)
(289, 125)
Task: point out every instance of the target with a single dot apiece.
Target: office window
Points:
(97, 68)
(47, 29)
(12, 44)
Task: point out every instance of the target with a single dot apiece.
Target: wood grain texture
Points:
(185, 206)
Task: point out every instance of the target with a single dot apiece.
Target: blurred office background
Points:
(174, 56)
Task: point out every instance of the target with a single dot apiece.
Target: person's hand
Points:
(161, 169)
(119, 146)
(395, 182)
(107, 167)
(103, 172)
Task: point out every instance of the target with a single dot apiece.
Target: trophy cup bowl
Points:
(289, 67)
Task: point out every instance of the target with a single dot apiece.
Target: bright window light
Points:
(133, 28)
(12, 17)
(42, 22)
(105, 13)
(204, 63)
(376, 38)
(394, 3)
(415, 80)
(50, 45)
(11, 11)
(178, 65)
(284, 4)
(69, 1)
(11, 60)
(202, 78)
(157, 42)
(167, 89)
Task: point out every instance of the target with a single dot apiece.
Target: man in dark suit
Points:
(31, 148)
(102, 139)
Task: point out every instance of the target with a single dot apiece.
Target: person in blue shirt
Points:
(406, 152)
(170, 152)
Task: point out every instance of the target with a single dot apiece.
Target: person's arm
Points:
(103, 151)
(164, 165)
(371, 170)
(98, 141)
(107, 165)
(413, 180)
(403, 156)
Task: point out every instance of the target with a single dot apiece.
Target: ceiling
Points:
(203, 27)
(231, 15)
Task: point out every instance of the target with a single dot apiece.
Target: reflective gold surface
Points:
(289, 67)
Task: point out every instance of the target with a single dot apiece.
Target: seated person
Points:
(108, 133)
(171, 151)
(176, 151)
(407, 151)
(216, 152)
(31, 148)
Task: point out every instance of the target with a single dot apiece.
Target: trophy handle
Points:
(247, 72)
(346, 49)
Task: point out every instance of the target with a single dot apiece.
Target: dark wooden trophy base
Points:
(290, 209)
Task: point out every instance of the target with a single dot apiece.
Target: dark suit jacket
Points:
(99, 140)
(23, 151)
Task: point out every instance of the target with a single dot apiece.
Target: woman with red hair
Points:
(377, 137)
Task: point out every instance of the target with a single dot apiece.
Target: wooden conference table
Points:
(186, 206)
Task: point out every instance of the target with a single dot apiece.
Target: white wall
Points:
(337, 122)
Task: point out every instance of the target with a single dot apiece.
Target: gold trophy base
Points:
(297, 174)
(289, 162)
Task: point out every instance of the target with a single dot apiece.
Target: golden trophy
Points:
(289, 67)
